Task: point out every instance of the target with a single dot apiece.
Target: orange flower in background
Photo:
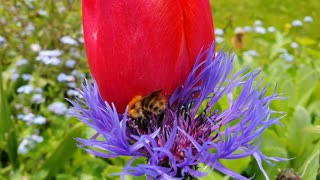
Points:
(136, 47)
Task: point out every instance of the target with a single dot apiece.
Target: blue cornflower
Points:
(192, 131)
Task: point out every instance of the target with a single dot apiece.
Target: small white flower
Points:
(288, 57)
(30, 28)
(296, 23)
(21, 62)
(30, 119)
(61, 9)
(65, 78)
(74, 93)
(26, 89)
(37, 99)
(28, 143)
(43, 12)
(36, 138)
(26, 77)
(238, 30)
(54, 53)
(257, 23)
(219, 32)
(20, 116)
(72, 85)
(260, 30)
(252, 53)
(38, 90)
(77, 74)
(219, 39)
(294, 45)
(70, 63)
(68, 40)
(29, 1)
(247, 29)
(49, 57)
(49, 60)
(35, 47)
(2, 40)
(81, 40)
(18, 23)
(14, 76)
(271, 29)
(23, 147)
(39, 120)
(62, 77)
(58, 108)
(13, 70)
(308, 19)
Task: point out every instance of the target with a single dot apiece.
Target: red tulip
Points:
(135, 47)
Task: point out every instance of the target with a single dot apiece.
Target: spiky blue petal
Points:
(193, 131)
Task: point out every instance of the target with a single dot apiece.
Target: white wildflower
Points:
(296, 23)
(37, 99)
(294, 45)
(219, 32)
(271, 29)
(58, 108)
(260, 30)
(308, 19)
(68, 40)
(70, 63)
(219, 39)
(26, 89)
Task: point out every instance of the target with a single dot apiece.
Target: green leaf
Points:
(63, 152)
(306, 78)
(312, 129)
(237, 165)
(214, 175)
(306, 41)
(296, 142)
(310, 168)
(112, 169)
(211, 174)
(7, 130)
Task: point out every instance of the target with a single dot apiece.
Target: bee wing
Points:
(153, 94)
(150, 97)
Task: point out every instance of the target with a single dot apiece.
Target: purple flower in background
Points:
(194, 130)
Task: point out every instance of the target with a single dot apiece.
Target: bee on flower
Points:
(157, 81)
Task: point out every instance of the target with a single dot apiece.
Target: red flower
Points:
(135, 47)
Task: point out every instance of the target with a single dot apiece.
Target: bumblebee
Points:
(153, 104)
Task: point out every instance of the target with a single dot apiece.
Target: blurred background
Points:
(43, 60)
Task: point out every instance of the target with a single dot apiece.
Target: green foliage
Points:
(32, 26)
(7, 129)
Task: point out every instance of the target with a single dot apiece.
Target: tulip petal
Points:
(139, 46)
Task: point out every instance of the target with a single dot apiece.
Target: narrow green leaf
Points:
(312, 129)
(7, 131)
(310, 168)
(216, 175)
(63, 152)
(237, 165)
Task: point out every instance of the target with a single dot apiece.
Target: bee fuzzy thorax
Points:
(153, 104)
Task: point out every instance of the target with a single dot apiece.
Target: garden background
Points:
(43, 59)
